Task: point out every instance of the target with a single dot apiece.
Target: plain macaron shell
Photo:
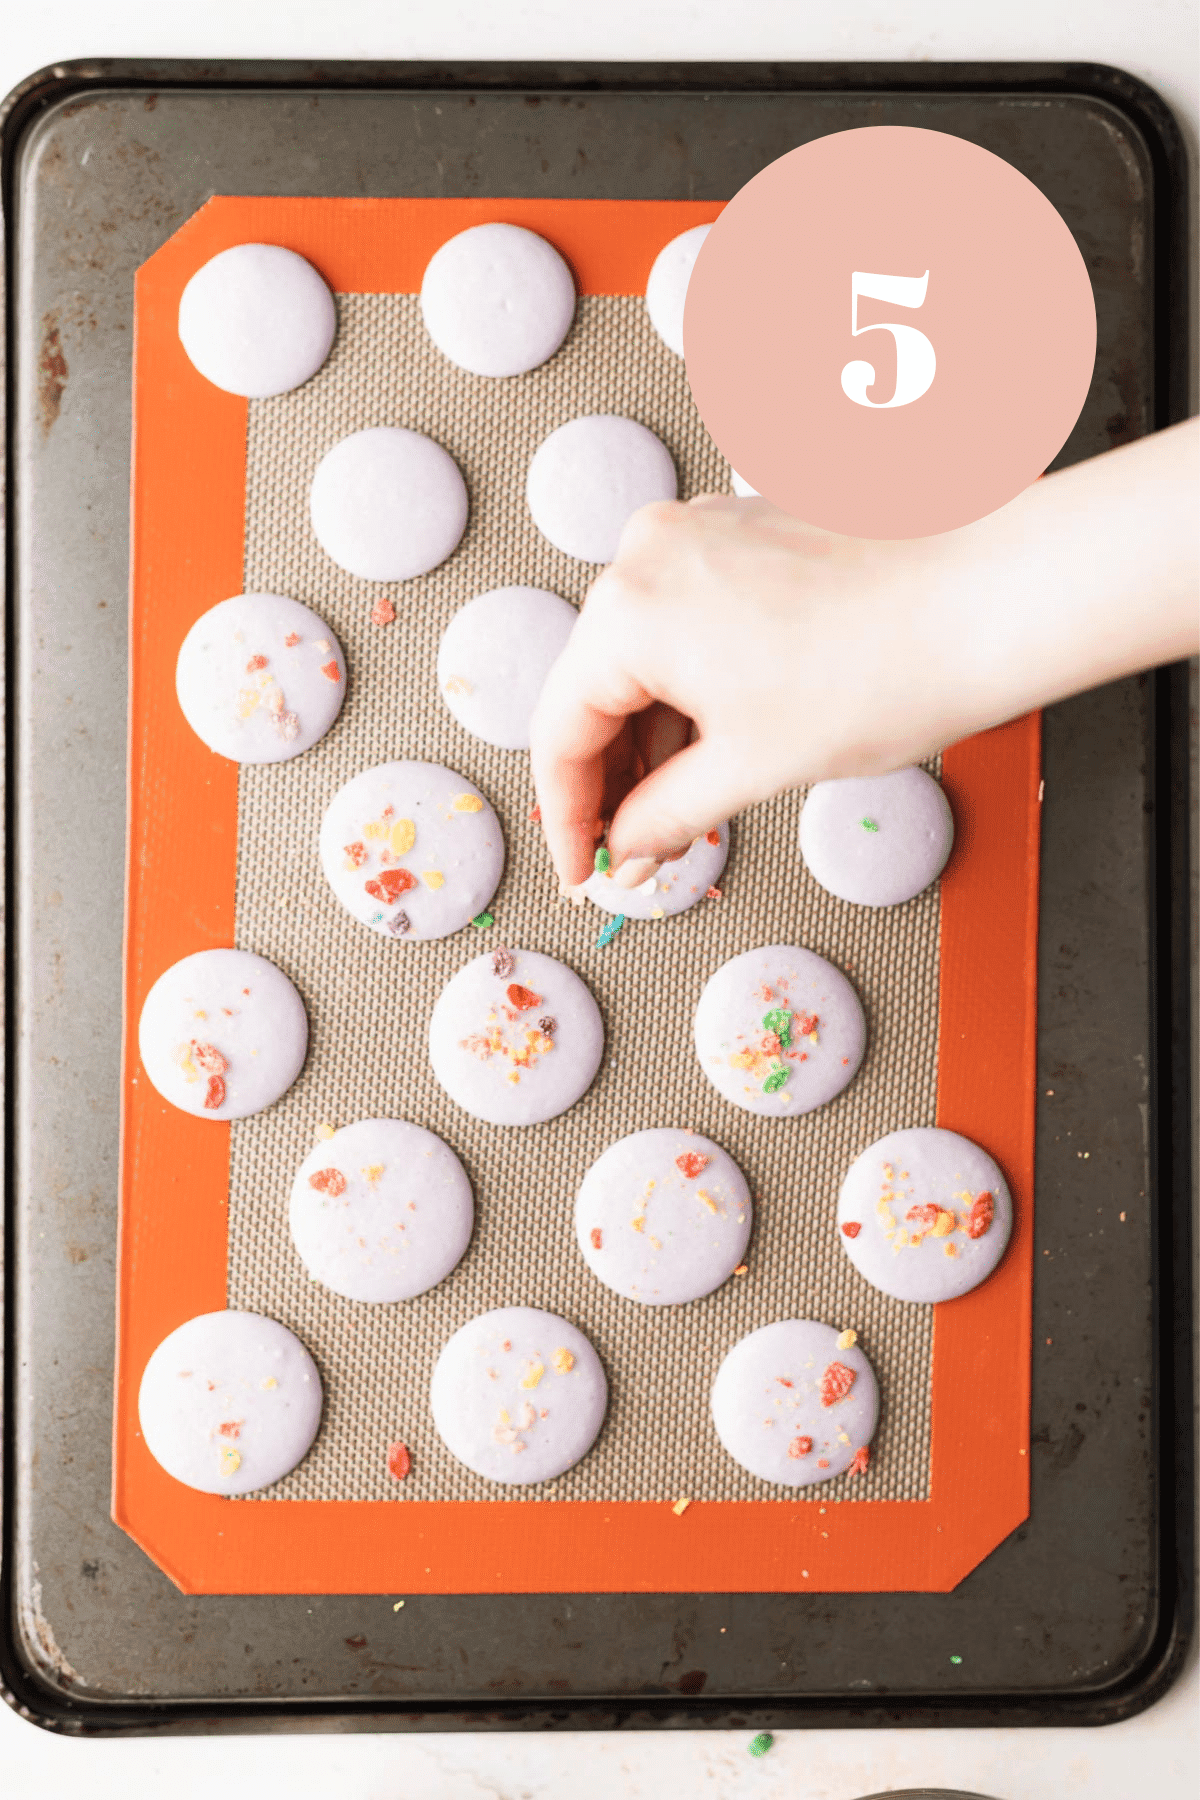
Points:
(257, 320)
(588, 478)
(388, 504)
(497, 300)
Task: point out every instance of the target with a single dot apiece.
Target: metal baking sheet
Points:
(1080, 1613)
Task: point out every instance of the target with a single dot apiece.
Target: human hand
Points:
(730, 651)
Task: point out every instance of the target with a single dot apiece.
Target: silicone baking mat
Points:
(220, 505)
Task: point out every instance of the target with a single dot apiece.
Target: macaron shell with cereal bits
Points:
(673, 889)
(381, 1210)
(411, 849)
(779, 1031)
(518, 1395)
(229, 1402)
(796, 1402)
(877, 840)
(924, 1214)
(663, 1216)
(515, 1037)
(222, 1034)
(260, 678)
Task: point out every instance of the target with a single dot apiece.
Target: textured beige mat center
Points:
(369, 1001)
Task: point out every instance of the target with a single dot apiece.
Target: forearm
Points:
(1089, 575)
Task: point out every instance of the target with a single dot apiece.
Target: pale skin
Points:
(731, 652)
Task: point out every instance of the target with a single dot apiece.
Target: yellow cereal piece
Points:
(707, 1199)
(433, 878)
(504, 1419)
(533, 1375)
(563, 1362)
(325, 1130)
(468, 803)
(915, 1239)
(373, 1171)
(375, 828)
(247, 701)
(656, 912)
(951, 1249)
(847, 1340)
(268, 1382)
(639, 1222)
(514, 1077)
(883, 1209)
(231, 1460)
(900, 1238)
(404, 836)
(680, 1507)
(742, 1059)
(458, 684)
(945, 1225)
(190, 1071)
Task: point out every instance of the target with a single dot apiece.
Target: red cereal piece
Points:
(292, 639)
(800, 1446)
(784, 1382)
(208, 1058)
(232, 1428)
(399, 1460)
(980, 1216)
(806, 1023)
(383, 612)
(859, 1461)
(691, 1164)
(522, 997)
(255, 664)
(851, 1228)
(214, 1095)
(328, 1181)
(331, 671)
(535, 814)
(390, 885)
(357, 853)
(924, 1216)
(822, 1462)
(836, 1383)
(771, 1045)
(713, 894)
(712, 837)
(597, 1237)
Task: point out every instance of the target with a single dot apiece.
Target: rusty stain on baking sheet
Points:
(52, 371)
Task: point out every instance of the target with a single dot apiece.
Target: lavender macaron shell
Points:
(229, 1402)
(729, 1025)
(224, 1016)
(518, 1395)
(399, 1224)
(922, 1167)
(766, 1400)
(494, 657)
(665, 1236)
(677, 885)
(876, 840)
(260, 678)
(455, 857)
(476, 1031)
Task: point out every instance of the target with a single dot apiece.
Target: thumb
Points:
(697, 788)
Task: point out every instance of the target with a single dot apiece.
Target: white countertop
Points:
(1156, 1755)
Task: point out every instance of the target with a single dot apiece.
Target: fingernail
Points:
(634, 870)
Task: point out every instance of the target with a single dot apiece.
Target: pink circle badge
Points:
(889, 332)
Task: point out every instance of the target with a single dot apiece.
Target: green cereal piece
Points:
(775, 1080)
(868, 825)
(603, 861)
(483, 921)
(758, 1746)
(779, 1020)
(610, 931)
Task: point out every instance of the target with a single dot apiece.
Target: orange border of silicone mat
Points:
(187, 537)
